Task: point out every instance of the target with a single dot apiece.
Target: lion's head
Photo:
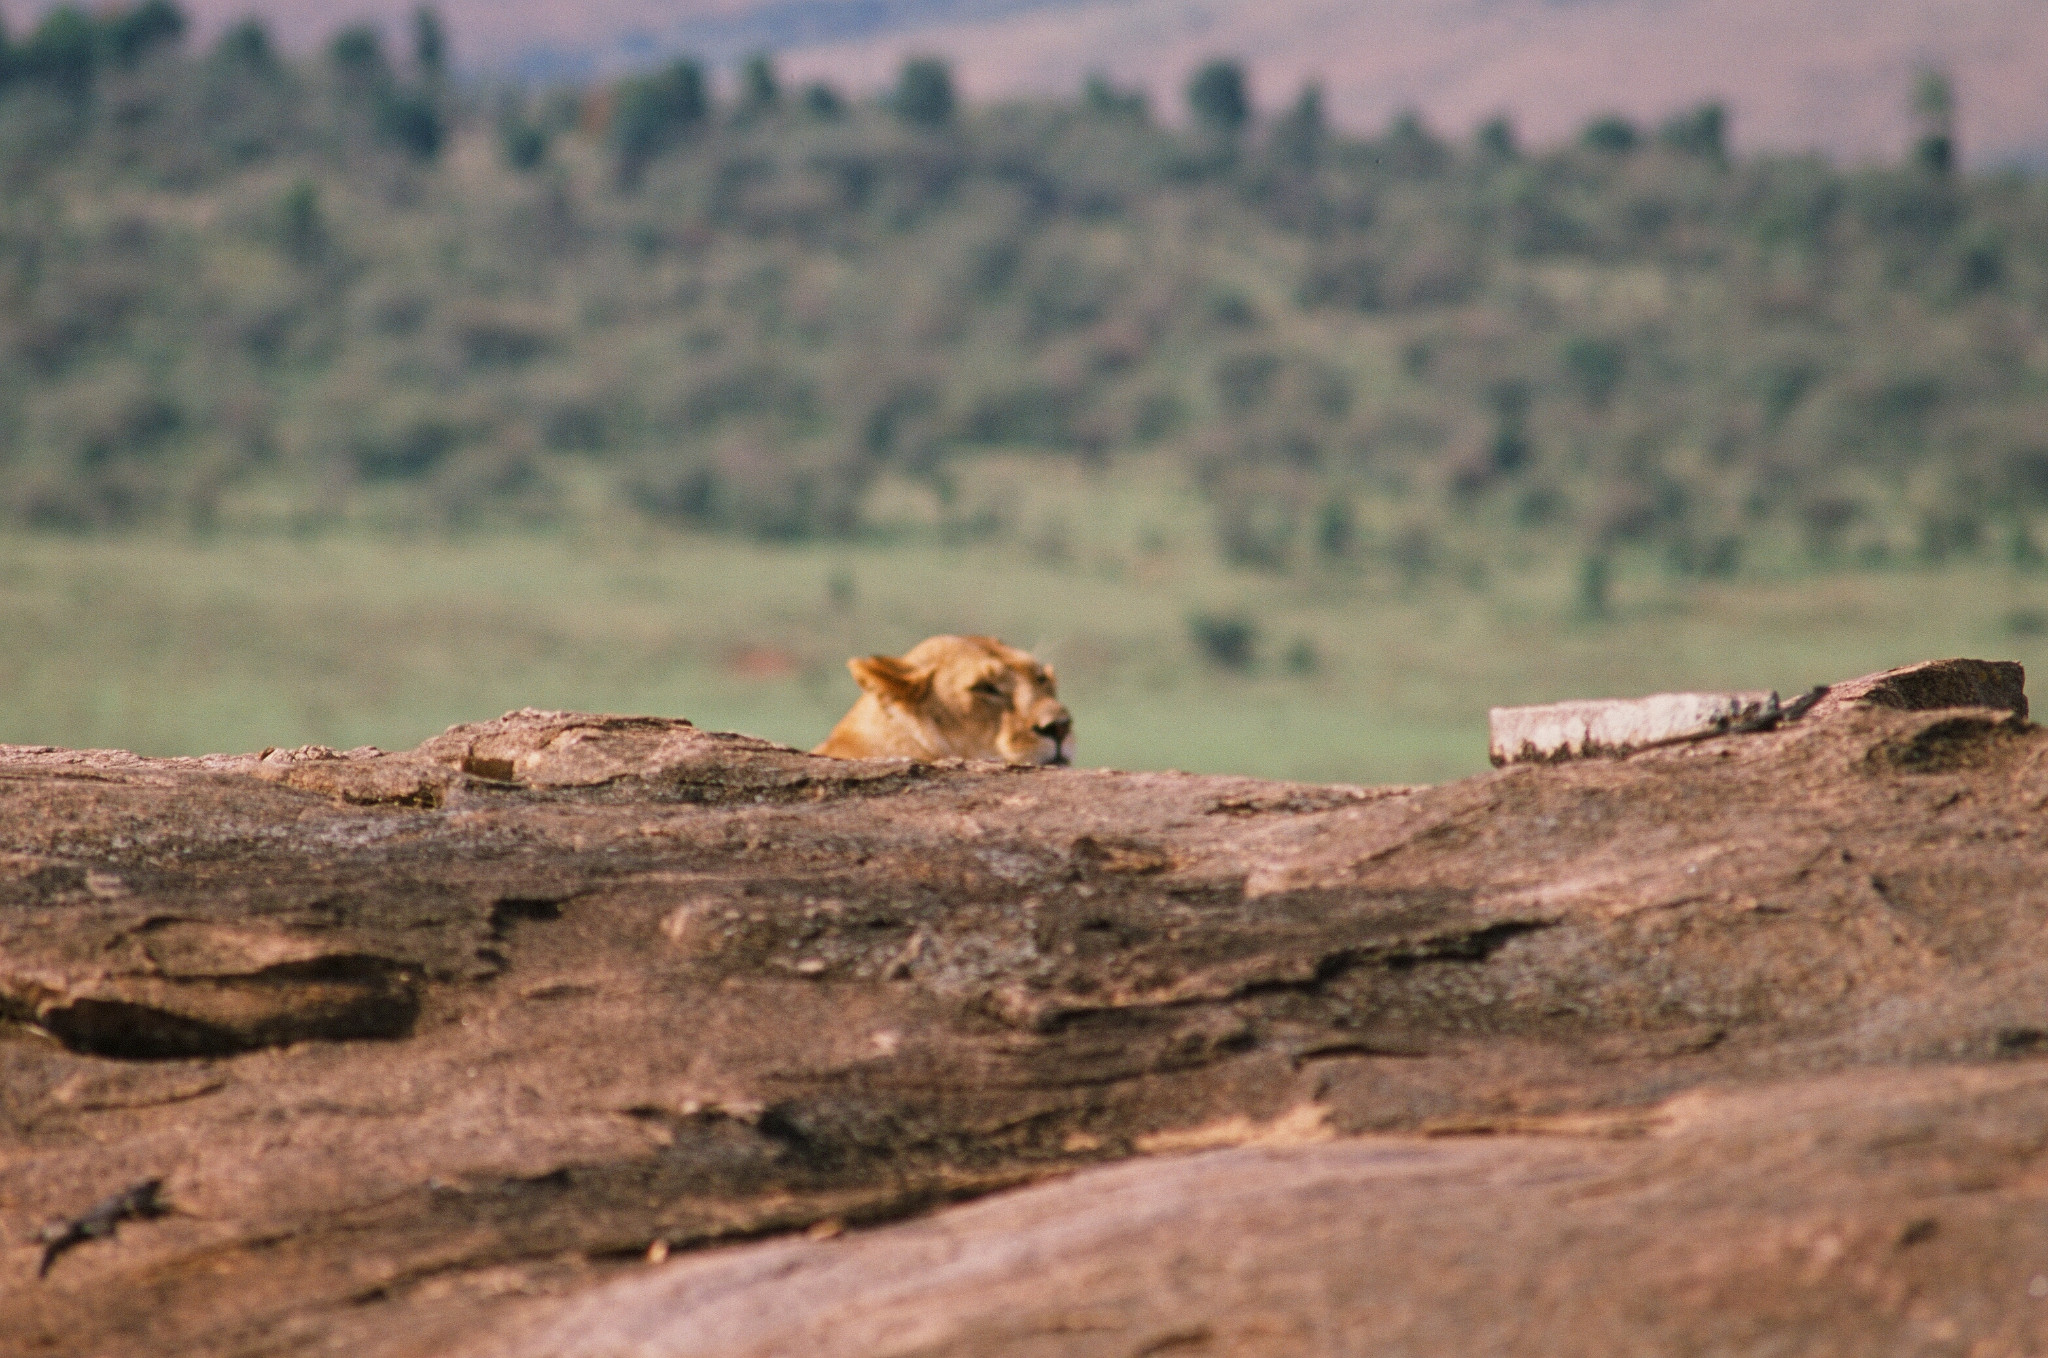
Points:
(955, 698)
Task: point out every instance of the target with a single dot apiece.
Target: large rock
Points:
(1839, 1215)
(433, 1051)
(1933, 684)
(1611, 726)
(1551, 732)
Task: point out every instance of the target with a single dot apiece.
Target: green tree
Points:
(823, 102)
(1337, 528)
(1103, 99)
(133, 35)
(410, 121)
(1934, 108)
(1703, 132)
(1511, 449)
(62, 52)
(302, 226)
(247, 45)
(407, 119)
(1410, 148)
(523, 141)
(1611, 134)
(657, 112)
(760, 91)
(1229, 641)
(1218, 98)
(429, 44)
(924, 92)
(1595, 365)
(357, 55)
(1299, 136)
(1495, 140)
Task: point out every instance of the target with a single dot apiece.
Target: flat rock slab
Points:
(1729, 1038)
(1611, 726)
(1587, 728)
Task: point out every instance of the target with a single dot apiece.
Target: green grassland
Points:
(180, 646)
(342, 399)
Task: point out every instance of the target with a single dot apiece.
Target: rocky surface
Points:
(505, 1044)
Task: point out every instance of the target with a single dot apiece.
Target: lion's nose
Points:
(1055, 727)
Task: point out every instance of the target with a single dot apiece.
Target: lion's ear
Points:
(887, 677)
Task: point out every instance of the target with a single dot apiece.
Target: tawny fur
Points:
(955, 698)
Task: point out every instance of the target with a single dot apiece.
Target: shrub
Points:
(62, 52)
(1703, 133)
(132, 35)
(1611, 134)
(1258, 518)
(429, 44)
(1218, 98)
(753, 487)
(1229, 641)
(409, 121)
(1303, 658)
(357, 55)
(924, 92)
(523, 143)
(1596, 586)
(655, 113)
(247, 46)
(1104, 100)
(494, 337)
(1244, 380)
(1040, 413)
(1934, 105)
(1495, 140)
(1352, 276)
(1336, 528)
(760, 91)
(1824, 518)
(1594, 364)
(302, 227)
(1299, 135)
(411, 449)
(1510, 448)
(1410, 148)
(1981, 260)
(823, 102)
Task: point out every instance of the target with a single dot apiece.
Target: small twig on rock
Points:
(139, 1203)
(1777, 714)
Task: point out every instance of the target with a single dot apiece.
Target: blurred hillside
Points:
(1804, 74)
(238, 291)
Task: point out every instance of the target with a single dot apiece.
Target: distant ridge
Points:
(1797, 73)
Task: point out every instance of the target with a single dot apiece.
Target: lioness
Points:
(954, 698)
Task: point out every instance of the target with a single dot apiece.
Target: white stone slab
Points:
(1611, 726)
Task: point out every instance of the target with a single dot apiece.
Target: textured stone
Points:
(1611, 726)
(1739, 1223)
(1617, 726)
(1729, 1042)
(1931, 684)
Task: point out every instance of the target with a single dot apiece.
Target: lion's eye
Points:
(987, 688)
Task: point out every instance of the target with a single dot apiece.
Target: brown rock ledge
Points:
(1666, 1053)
